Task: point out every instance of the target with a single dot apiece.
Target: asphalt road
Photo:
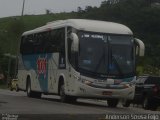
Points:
(16, 105)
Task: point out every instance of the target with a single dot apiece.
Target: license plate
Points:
(106, 93)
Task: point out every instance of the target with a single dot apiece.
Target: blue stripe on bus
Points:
(38, 63)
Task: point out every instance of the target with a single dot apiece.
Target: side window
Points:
(38, 47)
(69, 41)
(27, 44)
(71, 55)
(62, 58)
(57, 41)
(22, 46)
(33, 44)
(45, 42)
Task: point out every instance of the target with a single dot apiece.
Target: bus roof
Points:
(86, 25)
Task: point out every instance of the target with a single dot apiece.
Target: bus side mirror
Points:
(140, 47)
(75, 42)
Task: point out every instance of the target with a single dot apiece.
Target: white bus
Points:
(79, 58)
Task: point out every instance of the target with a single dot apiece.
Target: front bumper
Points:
(87, 91)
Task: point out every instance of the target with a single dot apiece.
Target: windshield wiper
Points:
(118, 66)
(100, 60)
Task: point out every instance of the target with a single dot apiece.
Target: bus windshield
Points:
(121, 55)
(105, 54)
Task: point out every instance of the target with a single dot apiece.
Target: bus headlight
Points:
(87, 82)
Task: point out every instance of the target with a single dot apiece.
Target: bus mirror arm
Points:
(75, 42)
(140, 47)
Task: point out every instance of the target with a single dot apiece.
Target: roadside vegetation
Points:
(142, 16)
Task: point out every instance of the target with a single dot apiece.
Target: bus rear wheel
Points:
(30, 93)
(112, 102)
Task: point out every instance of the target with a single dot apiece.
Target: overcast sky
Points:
(14, 7)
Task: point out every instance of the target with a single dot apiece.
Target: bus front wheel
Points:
(66, 98)
(126, 103)
(112, 102)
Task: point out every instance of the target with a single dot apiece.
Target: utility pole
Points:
(23, 8)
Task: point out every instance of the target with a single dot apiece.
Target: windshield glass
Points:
(122, 55)
(93, 52)
(106, 54)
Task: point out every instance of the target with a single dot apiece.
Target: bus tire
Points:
(66, 98)
(112, 102)
(31, 93)
(73, 99)
(63, 97)
(28, 89)
(126, 103)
